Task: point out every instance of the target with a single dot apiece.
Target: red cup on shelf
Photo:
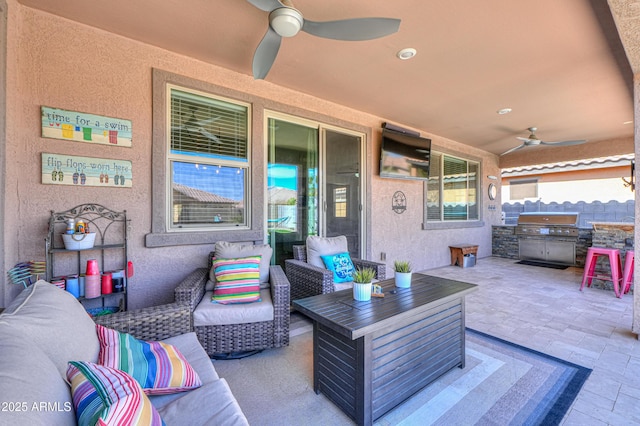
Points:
(107, 284)
(92, 286)
(92, 267)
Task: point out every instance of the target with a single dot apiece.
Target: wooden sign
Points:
(81, 127)
(71, 170)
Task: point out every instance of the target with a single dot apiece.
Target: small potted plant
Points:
(362, 279)
(403, 273)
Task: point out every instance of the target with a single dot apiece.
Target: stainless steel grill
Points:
(548, 224)
(548, 237)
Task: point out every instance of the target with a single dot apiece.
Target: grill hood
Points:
(549, 219)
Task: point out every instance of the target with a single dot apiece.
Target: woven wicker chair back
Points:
(300, 253)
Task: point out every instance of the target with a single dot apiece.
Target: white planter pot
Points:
(403, 279)
(362, 292)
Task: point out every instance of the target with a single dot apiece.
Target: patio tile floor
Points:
(543, 309)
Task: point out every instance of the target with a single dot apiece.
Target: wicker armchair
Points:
(309, 280)
(232, 338)
(154, 323)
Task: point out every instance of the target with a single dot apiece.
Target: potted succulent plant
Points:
(362, 279)
(403, 273)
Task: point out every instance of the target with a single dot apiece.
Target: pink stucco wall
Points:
(636, 272)
(58, 63)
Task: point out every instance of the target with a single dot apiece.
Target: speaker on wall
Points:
(399, 129)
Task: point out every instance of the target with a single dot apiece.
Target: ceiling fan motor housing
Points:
(286, 21)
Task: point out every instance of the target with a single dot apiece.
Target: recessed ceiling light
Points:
(407, 53)
(504, 111)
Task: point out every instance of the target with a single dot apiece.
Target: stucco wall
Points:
(636, 272)
(58, 63)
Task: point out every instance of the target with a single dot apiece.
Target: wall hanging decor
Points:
(82, 127)
(71, 170)
(399, 203)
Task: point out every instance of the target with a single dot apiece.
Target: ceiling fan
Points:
(286, 21)
(533, 140)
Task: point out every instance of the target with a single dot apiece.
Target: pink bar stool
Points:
(627, 275)
(590, 266)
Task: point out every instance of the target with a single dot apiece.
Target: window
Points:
(208, 161)
(340, 200)
(521, 189)
(182, 218)
(452, 189)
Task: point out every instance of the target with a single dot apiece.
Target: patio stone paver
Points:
(543, 309)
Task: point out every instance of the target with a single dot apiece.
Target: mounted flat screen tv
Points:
(404, 155)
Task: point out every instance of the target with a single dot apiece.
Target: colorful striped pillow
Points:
(107, 396)
(237, 280)
(158, 367)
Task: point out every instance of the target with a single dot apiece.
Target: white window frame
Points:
(160, 235)
(430, 223)
(171, 158)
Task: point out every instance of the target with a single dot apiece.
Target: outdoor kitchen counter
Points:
(605, 226)
(618, 235)
(504, 243)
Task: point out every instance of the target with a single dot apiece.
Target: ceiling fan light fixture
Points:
(286, 21)
(406, 53)
(503, 111)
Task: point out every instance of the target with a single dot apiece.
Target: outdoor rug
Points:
(542, 264)
(502, 383)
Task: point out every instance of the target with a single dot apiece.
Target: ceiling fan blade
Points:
(195, 129)
(208, 135)
(352, 29)
(513, 149)
(266, 5)
(266, 54)
(565, 143)
(525, 140)
(207, 121)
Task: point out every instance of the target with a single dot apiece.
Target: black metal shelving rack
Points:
(110, 247)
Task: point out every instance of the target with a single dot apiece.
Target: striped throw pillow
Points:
(158, 367)
(237, 280)
(107, 396)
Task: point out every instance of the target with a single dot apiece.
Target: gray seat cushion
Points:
(55, 321)
(211, 404)
(209, 313)
(320, 246)
(29, 379)
(220, 406)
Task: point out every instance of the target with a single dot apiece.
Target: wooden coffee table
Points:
(368, 357)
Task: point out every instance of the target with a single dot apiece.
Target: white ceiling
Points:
(558, 64)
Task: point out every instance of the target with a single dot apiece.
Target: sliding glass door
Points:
(313, 184)
(342, 189)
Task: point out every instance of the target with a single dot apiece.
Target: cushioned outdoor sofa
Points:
(45, 328)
